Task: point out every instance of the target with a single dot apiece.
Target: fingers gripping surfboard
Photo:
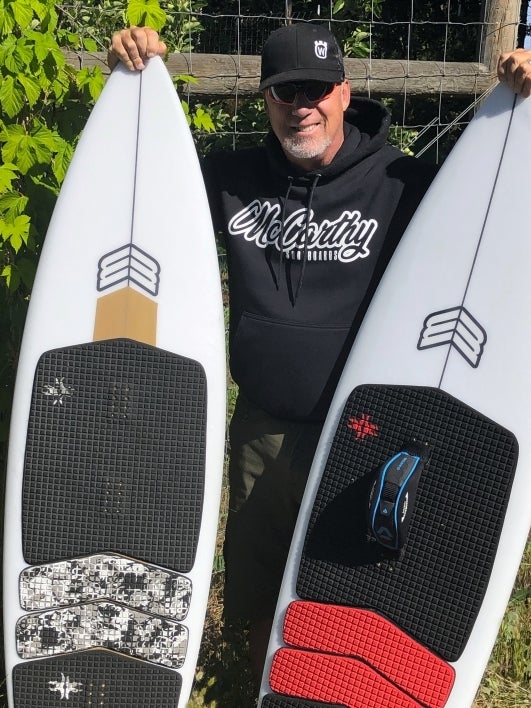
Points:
(416, 512)
(117, 439)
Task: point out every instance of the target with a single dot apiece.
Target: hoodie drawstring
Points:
(306, 234)
(281, 238)
(316, 178)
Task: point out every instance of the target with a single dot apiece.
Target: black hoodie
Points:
(305, 253)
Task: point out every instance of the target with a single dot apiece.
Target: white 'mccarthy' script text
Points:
(345, 239)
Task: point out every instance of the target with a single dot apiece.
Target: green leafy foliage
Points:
(36, 87)
(146, 13)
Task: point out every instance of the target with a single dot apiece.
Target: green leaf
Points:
(45, 182)
(22, 12)
(185, 79)
(19, 147)
(7, 49)
(60, 88)
(203, 121)
(46, 139)
(90, 45)
(61, 161)
(47, 51)
(521, 595)
(11, 98)
(7, 21)
(11, 133)
(12, 204)
(24, 51)
(48, 16)
(31, 87)
(16, 231)
(11, 277)
(92, 79)
(8, 173)
(186, 111)
(146, 13)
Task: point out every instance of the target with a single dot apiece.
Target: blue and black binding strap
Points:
(392, 496)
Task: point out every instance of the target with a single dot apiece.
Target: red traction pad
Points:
(334, 679)
(397, 661)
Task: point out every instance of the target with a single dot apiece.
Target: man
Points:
(310, 219)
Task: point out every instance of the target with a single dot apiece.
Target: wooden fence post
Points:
(501, 18)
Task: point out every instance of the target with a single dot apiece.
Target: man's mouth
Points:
(304, 128)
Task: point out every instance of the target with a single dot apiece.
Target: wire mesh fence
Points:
(430, 63)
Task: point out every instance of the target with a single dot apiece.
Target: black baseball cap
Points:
(301, 52)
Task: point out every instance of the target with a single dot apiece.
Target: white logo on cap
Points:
(321, 49)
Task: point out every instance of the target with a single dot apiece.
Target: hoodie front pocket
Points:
(286, 368)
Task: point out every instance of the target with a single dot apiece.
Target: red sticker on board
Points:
(363, 427)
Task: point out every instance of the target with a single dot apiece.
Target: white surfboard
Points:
(117, 434)
(441, 363)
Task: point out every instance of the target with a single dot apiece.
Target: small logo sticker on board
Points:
(65, 688)
(58, 391)
(363, 427)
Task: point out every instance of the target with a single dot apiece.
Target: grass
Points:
(507, 680)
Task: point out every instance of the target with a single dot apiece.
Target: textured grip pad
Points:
(434, 589)
(102, 624)
(115, 455)
(333, 679)
(274, 701)
(367, 636)
(94, 678)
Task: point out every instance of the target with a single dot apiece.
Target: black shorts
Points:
(269, 464)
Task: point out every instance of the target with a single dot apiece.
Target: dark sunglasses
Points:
(313, 91)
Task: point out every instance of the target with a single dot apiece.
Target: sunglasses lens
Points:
(313, 91)
(317, 90)
(284, 93)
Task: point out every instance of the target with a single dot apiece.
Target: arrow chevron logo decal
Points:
(129, 264)
(455, 327)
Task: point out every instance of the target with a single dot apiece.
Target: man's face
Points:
(310, 133)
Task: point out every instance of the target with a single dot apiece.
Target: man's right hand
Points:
(132, 46)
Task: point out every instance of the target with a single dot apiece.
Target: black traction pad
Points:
(434, 589)
(276, 701)
(94, 678)
(115, 455)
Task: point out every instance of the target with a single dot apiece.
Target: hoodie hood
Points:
(366, 127)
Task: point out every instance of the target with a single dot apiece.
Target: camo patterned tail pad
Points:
(363, 634)
(102, 624)
(433, 591)
(94, 678)
(115, 455)
(106, 576)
